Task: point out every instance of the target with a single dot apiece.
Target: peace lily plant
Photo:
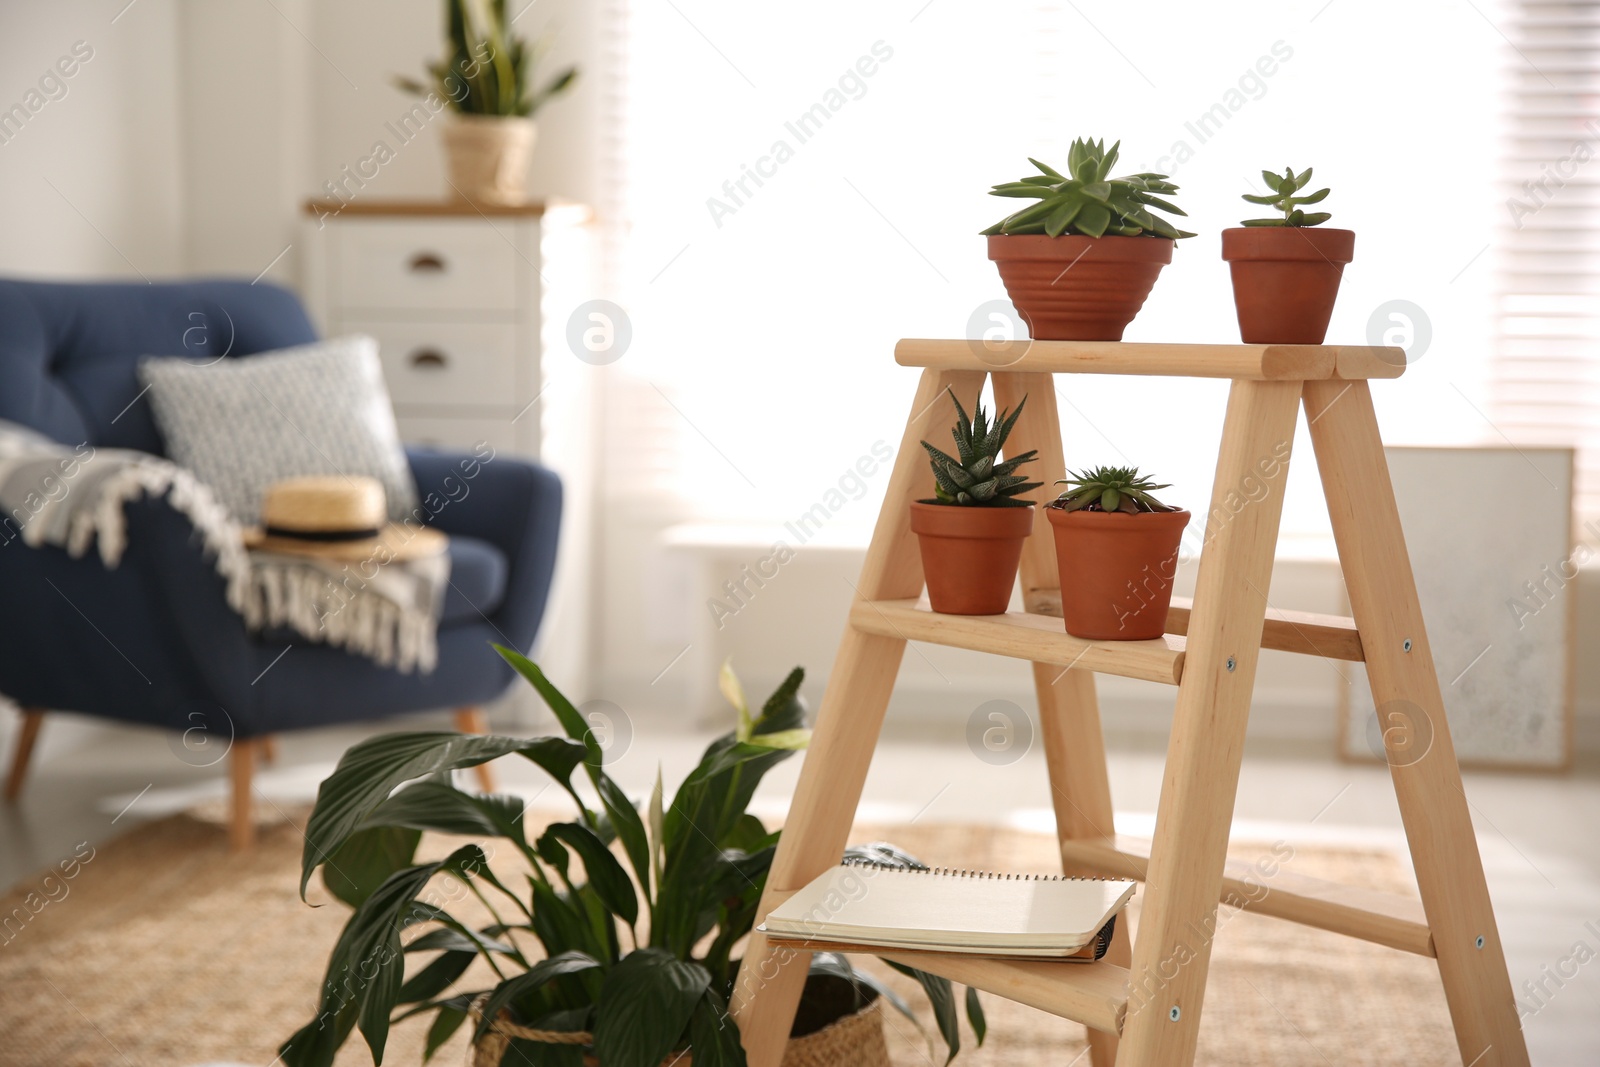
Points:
(637, 958)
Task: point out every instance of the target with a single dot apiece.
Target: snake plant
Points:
(1283, 198)
(1121, 489)
(641, 957)
(1087, 200)
(979, 478)
(486, 70)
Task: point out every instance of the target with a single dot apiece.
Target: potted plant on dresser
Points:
(1117, 551)
(1079, 263)
(971, 532)
(487, 80)
(587, 961)
(1286, 271)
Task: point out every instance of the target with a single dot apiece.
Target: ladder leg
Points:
(1172, 953)
(1405, 688)
(1069, 717)
(847, 724)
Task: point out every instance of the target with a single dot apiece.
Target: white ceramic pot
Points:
(488, 157)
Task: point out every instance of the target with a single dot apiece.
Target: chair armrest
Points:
(513, 504)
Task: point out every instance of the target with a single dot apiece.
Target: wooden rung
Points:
(1306, 632)
(1094, 994)
(1354, 911)
(1021, 635)
(1256, 362)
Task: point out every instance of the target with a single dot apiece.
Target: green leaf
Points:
(436, 977)
(733, 692)
(1264, 222)
(1049, 171)
(1062, 217)
(370, 770)
(1269, 200)
(645, 1007)
(713, 1037)
(1301, 178)
(445, 1024)
(942, 996)
(975, 1016)
(534, 978)
(1093, 220)
(571, 720)
(606, 876)
(432, 805)
(367, 857)
(1313, 198)
(1274, 181)
(1316, 218)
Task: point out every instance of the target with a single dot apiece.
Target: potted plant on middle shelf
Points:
(590, 962)
(1286, 272)
(971, 532)
(1117, 551)
(1079, 263)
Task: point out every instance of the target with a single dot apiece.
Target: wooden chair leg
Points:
(267, 744)
(472, 720)
(241, 803)
(27, 734)
(1421, 754)
(845, 734)
(1069, 714)
(1172, 954)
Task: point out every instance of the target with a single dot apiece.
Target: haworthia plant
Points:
(1121, 489)
(976, 476)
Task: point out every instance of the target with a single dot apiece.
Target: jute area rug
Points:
(166, 951)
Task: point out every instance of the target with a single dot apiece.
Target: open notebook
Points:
(953, 911)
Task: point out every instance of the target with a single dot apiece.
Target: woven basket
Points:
(854, 1041)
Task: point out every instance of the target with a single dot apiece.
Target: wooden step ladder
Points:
(1142, 1003)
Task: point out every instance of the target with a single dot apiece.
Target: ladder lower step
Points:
(1020, 635)
(1354, 911)
(1094, 994)
(1306, 632)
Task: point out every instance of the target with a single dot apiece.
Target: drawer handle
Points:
(427, 261)
(428, 359)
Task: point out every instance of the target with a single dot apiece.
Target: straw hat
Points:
(337, 518)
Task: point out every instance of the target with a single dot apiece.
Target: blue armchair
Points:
(153, 641)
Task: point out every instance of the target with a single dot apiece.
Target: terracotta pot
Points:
(1074, 288)
(1116, 571)
(970, 555)
(488, 157)
(1285, 280)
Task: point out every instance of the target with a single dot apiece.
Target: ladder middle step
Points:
(1022, 635)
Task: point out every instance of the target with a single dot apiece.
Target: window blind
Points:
(1545, 366)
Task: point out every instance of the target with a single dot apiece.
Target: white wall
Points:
(92, 183)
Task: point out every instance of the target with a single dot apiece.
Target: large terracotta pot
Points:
(1285, 280)
(1116, 571)
(1075, 288)
(970, 555)
(488, 157)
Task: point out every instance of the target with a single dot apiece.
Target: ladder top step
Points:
(1259, 362)
(1021, 635)
(1095, 994)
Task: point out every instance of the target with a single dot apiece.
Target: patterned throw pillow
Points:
(242, 423)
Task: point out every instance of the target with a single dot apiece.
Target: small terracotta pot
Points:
(1285, 280)
(1075, 288)
(970, 555)
(1116, 571)
(488, 157)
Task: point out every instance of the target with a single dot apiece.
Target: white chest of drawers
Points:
(453, 296)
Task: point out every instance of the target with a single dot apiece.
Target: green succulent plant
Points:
(1282, 198)
(487, 71)
(1121, 489)
(1087, 201)
(979, 478)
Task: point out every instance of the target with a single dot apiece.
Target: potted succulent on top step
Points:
(1285, 271)
(1079, 263)
(971, 532)
(1117, 551)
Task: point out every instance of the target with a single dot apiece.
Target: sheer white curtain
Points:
(805, 185)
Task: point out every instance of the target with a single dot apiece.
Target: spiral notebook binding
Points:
(961, 872)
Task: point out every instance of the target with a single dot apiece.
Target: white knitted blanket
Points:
(71, 498)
